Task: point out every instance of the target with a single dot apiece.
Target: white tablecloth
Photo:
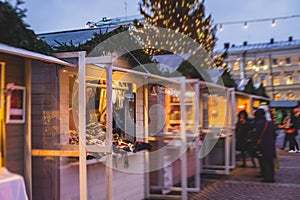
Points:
(12, 187)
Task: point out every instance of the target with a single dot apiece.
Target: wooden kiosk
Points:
(25, 75)
(216, 127)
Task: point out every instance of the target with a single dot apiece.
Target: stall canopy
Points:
(32, 55)
(284, 104)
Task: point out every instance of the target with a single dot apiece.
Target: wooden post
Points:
(109, 118)
(82, 126)
(196, 131)
(183, 139)
(146, 132)
(2, 115)
(227, 142)
(27, 144)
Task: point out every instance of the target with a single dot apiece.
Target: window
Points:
(289, 79)
(261, 63)
(290, 95)
(236, 65)
(288, 61)
(275, 62)
(276, 80)
(15, 106)
(277, 97)
(249, 64)
(263, 80)
(281, 63)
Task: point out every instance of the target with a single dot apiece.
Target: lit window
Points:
(249, 64)
(281, 63)
(289, 79)
(288, 61)
(236, 65)
(276, 80)
(291, 96)
(261, 63)
(277, 97)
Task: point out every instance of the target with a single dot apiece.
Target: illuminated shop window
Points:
(276, 80)
(289, 79)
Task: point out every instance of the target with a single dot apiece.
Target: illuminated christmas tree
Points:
(186, 17)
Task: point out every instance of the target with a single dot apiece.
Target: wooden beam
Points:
(46, 152)
(98, 149)
(66, 55)
(99, 60)
(27, 137)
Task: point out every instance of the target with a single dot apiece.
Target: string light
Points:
(273, 23)
(221, 27)
(245, 25)
(246, 22)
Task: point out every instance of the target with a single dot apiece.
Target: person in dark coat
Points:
(283, 125)
(295, 125)
(266, 143)
(243, 137)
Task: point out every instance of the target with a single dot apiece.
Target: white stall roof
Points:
(32, 55)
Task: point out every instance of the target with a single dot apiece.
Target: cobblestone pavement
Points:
(242, 183)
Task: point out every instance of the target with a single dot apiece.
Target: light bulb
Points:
(221, 27)
(245, 25)
(273, 23)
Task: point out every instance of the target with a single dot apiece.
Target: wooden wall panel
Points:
(45, 129)
(14, 73)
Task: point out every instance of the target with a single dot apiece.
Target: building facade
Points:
(276, 65)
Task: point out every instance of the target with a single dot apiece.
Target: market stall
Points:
(217, 127)
(100, 149)
(176, 146)
(17, 66)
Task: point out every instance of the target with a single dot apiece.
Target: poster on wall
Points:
(15, 105)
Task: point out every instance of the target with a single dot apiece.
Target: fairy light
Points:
(273, 23)
(245, 25)
(246, 22)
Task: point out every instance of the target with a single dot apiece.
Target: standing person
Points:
(285, 124)
(294, 147)
(265, 136)
(243, 139)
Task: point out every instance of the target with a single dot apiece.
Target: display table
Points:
(12, 186)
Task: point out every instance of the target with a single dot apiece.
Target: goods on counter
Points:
(96, 135)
